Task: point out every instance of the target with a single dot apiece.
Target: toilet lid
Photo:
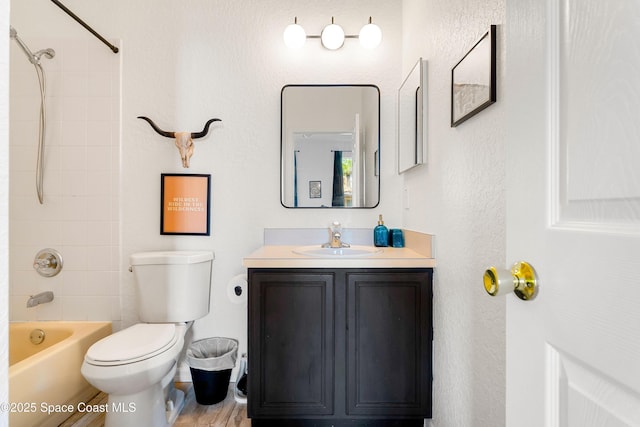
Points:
(135, 343)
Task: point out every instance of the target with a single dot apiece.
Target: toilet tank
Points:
(173, 286)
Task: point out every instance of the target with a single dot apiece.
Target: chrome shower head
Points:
(47, 53)
(34, 58)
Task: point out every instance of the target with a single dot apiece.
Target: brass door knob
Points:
(521, 280)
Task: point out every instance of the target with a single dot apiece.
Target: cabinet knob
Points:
(521, 280)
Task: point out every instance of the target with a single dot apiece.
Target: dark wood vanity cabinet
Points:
(339, 347)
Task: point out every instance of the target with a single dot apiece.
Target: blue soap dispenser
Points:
(381, 234)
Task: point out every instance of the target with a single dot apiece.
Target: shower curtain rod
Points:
(85, 25)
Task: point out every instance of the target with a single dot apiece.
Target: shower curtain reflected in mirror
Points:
(338, 180)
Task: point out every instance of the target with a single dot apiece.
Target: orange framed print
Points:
(184, 204)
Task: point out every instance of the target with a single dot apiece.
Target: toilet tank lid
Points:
(171, 257)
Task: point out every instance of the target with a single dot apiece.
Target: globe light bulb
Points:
(332, 36)
(370, 36)
(294, 35)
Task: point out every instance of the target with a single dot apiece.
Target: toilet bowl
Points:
(130, 366)
(136, 365)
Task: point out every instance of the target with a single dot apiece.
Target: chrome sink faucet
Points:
(335, 241)
(40, 298)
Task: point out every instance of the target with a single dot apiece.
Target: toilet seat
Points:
(136, 343)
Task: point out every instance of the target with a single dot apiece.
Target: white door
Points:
(572, 96)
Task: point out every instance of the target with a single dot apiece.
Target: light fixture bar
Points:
(332, 36)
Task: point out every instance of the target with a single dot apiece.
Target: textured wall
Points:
(4, 208)
(183, 63)
(459, 197)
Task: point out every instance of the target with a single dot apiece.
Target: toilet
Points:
(136, 365)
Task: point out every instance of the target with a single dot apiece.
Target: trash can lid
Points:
(135, 343)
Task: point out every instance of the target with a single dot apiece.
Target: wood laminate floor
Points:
(227, 413)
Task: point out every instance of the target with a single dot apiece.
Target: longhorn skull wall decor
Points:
(184, 140)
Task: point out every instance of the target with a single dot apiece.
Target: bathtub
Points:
(45, 383)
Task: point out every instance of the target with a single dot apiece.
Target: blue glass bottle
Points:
(381, 234)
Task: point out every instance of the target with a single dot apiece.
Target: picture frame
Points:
(412, 118)
(185, 206)
(473, 79)
(315, 189)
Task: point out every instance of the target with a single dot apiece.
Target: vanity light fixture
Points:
(332, 36)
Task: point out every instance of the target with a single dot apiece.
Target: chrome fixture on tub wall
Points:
(41, 298)
(48, 262)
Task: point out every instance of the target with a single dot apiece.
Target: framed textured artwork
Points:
(184, 204)
(473, 79)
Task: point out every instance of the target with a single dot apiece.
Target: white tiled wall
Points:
(80, 215)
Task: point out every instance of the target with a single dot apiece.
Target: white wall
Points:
(459, 197)
(4, 205)
(183, 64)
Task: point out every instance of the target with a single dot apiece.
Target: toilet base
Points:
(145, 408)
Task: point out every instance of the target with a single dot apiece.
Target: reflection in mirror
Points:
(330, 142)
(412, 118)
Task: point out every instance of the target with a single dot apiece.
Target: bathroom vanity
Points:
(339, 340)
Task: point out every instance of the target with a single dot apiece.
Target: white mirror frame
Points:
(412, 118)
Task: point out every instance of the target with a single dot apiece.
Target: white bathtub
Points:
(45, 383)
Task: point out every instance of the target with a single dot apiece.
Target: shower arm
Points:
(113, 48)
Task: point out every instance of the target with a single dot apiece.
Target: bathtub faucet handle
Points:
(48, 262)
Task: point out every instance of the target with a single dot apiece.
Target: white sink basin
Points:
(352, 252)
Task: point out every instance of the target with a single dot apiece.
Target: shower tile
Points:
(99, 233)
(49, 311)
(99, 208)
(74, 208)
(73, 158)
(74, 233)
(75, 84)
(98, 258)
(75, 258)
(99, 158)
(18, 308)
(41, 233)
(74, 108)
(75, 283)
(98, 308)
(76, 56)
(100, 83)
(74, 308)
(101, 283)
(99, 133)
(73, 133)
(99, 109)
(73, 183)
(23, 133)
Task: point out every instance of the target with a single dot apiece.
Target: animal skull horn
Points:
(184, 140)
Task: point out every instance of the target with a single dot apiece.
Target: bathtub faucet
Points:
(40, 298)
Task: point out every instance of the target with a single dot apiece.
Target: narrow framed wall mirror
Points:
(330, 146)
(412, 118)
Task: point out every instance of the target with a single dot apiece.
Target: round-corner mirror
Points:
(330, 146)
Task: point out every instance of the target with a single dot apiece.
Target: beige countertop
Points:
(283, 256)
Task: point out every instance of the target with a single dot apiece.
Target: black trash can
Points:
(211, 361)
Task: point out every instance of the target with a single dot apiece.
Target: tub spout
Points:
(40, 298)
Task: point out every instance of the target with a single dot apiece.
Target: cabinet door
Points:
(389, 345)
(291, 334)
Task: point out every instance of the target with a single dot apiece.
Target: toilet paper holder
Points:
(521, 280)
